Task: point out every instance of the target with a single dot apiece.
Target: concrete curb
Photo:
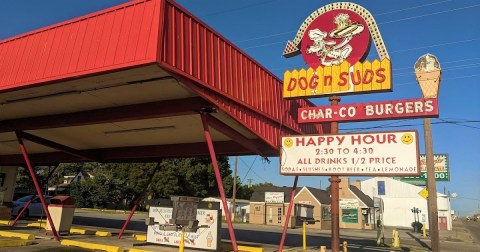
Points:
(22, 236)
(5, 222)
(88, 245)
(138, 250)
(103, 233)
(81, 231)
(38, 225)
(89, 232)
(15, 243)
(228, 247)
(140, 237)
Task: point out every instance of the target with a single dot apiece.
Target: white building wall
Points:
(398, 211)
(400, 198)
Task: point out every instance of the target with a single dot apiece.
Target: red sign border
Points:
(336, 118)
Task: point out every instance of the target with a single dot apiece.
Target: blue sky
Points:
(410, 28)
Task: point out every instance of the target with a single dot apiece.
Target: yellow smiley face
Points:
(407, 138)
(288, 142)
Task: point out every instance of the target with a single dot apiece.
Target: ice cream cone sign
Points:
(428, 73)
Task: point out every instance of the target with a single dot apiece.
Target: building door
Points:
(442, 223)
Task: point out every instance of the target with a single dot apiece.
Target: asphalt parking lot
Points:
(259, 237)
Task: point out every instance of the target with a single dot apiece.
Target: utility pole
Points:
(234, 187)
(250, 182)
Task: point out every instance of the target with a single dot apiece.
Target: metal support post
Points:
(37, 187)
(289, 212)
(304, 235)
(181, 246)
(137, 202)
(424, 230)
(19, 214)
(219, 180)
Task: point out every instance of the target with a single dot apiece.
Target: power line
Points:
(430, 14)
(390, 123)
(457, 123)
(451, 78)
(238, 8)
(443, 63)
(444, 69)
(406, 125)
(294, 31)
(411, 67)
(262, 37)
(250, 168)
(436, 45)
(259, 176)
(414, 7)
(388, 22)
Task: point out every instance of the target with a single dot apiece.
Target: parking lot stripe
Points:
(88, 245)
(5, 222)
(22, 236)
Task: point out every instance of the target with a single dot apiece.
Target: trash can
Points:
(62, 209)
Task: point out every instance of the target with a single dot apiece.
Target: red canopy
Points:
(128, 83)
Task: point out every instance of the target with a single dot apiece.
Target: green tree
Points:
(115, 182)
(243, 191)
(98, 192)
(191, 177)
(24, 181)
(266, 184)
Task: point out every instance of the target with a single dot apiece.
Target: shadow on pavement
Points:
(423, 244)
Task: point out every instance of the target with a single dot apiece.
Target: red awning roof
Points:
(128, 83)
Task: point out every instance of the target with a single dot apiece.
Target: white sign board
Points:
(358, 154)
(274, 197)
(204, 238)
(349, 204)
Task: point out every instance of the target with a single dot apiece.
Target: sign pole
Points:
(432, 187)
(334, 190)
(428, 73)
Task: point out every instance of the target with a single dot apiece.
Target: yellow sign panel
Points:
(364, 77)
(424, 193)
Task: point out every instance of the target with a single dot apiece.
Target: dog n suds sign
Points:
(334, 41)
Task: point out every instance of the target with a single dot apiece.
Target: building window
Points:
(381, 187)
(365, 215)
(257, 208)
(279, 217)
(350, 215)
(326, 214)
